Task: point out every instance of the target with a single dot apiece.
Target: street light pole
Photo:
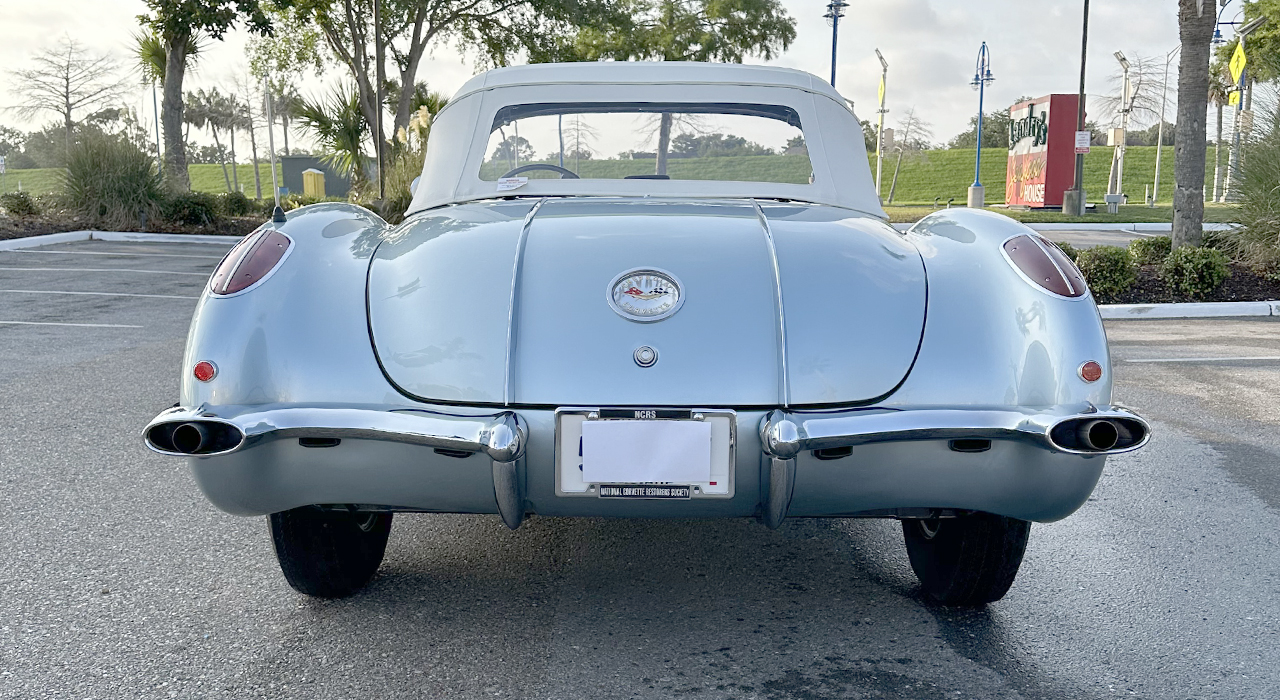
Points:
(1164, 99)
(1117, 158)
(835, 10)
(981, 77)
(884, 80)
(1073, 201)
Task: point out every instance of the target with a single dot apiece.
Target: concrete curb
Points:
(1216, 309)
(1143, 229)
(1222, 309)
(74, 236)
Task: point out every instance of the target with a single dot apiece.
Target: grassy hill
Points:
(924, 176)
(204, 178)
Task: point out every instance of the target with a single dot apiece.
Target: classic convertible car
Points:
(719, 322)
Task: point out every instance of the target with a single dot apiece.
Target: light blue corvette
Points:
(717, 323)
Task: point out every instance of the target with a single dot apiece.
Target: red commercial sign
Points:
(1041, 151)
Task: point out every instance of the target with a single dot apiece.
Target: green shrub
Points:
(1109, 270)
(235, 204)
(110, 182)
(1069, 250)
(1195, 272)
(1150, 251)
(192, 208)
(19, 204)
(1257, 239)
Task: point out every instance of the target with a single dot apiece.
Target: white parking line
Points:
(88, 252)
(77, 325)
(1207, 359)
(94, 294)
(100, 269)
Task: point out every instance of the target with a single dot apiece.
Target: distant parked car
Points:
(665, 337)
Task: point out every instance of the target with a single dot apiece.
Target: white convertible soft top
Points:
(833, 135)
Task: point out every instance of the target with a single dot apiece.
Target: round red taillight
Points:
(204, 371)
(1091, 371)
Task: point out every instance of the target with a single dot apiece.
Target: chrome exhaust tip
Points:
(1107, 434)
(195, 438)
(189, 438)
(1100, 435)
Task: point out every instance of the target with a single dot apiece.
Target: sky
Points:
(931, 47)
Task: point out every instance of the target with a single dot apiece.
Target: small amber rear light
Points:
(204, 371)
(1091, 371)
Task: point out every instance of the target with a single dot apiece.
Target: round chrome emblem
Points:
(645, 356)
(645, 294)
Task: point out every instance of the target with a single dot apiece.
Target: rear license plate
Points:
(644, 491)
(629, 453)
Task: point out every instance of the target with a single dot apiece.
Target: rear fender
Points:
(301, 334)
(993, 338)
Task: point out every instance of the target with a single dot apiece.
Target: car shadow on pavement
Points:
(622, 608)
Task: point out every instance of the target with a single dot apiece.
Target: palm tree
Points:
(338, 125)
(206, 110)
(1219, 91)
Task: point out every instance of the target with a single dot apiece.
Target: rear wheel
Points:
(970, 560)
(329, 554)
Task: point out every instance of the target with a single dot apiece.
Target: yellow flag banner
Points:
(1238, 61)
(882, 89)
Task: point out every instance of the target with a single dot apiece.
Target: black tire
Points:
(329, 554)
(970, 560)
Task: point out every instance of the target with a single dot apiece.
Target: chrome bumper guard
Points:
(785, 434)
(501, 436)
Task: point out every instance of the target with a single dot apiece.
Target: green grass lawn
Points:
(1129, 213)
(204, 178)
(941, 174)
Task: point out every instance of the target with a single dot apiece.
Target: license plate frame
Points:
(568, 452)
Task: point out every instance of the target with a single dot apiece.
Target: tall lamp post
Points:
(981, 78)
(835, 10)
(1126, 104)
(1073, 200)
(1164, 98)
(884, 79)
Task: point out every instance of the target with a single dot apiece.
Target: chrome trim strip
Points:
(782, 319)
(516, 268)
(785, 434)
(501, 436)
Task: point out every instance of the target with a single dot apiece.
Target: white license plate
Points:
(671, 453)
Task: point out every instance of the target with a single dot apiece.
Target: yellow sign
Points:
(1238, 61)
(881, 90)
(1234, 98)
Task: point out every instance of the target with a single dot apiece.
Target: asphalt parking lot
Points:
(118, 580)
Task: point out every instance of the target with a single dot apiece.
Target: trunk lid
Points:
(445, 327)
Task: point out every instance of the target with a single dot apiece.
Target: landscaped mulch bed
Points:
(38, 226)
(1243, 285)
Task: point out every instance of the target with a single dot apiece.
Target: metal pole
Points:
(884, 85)
(1124, 132)
(1164, 99)
(1073, 202)
(835, 30)
(155, 110)
(982, 76)
(277, 214)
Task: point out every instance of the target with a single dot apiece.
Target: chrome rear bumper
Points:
(501, 436)
(784, 434)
